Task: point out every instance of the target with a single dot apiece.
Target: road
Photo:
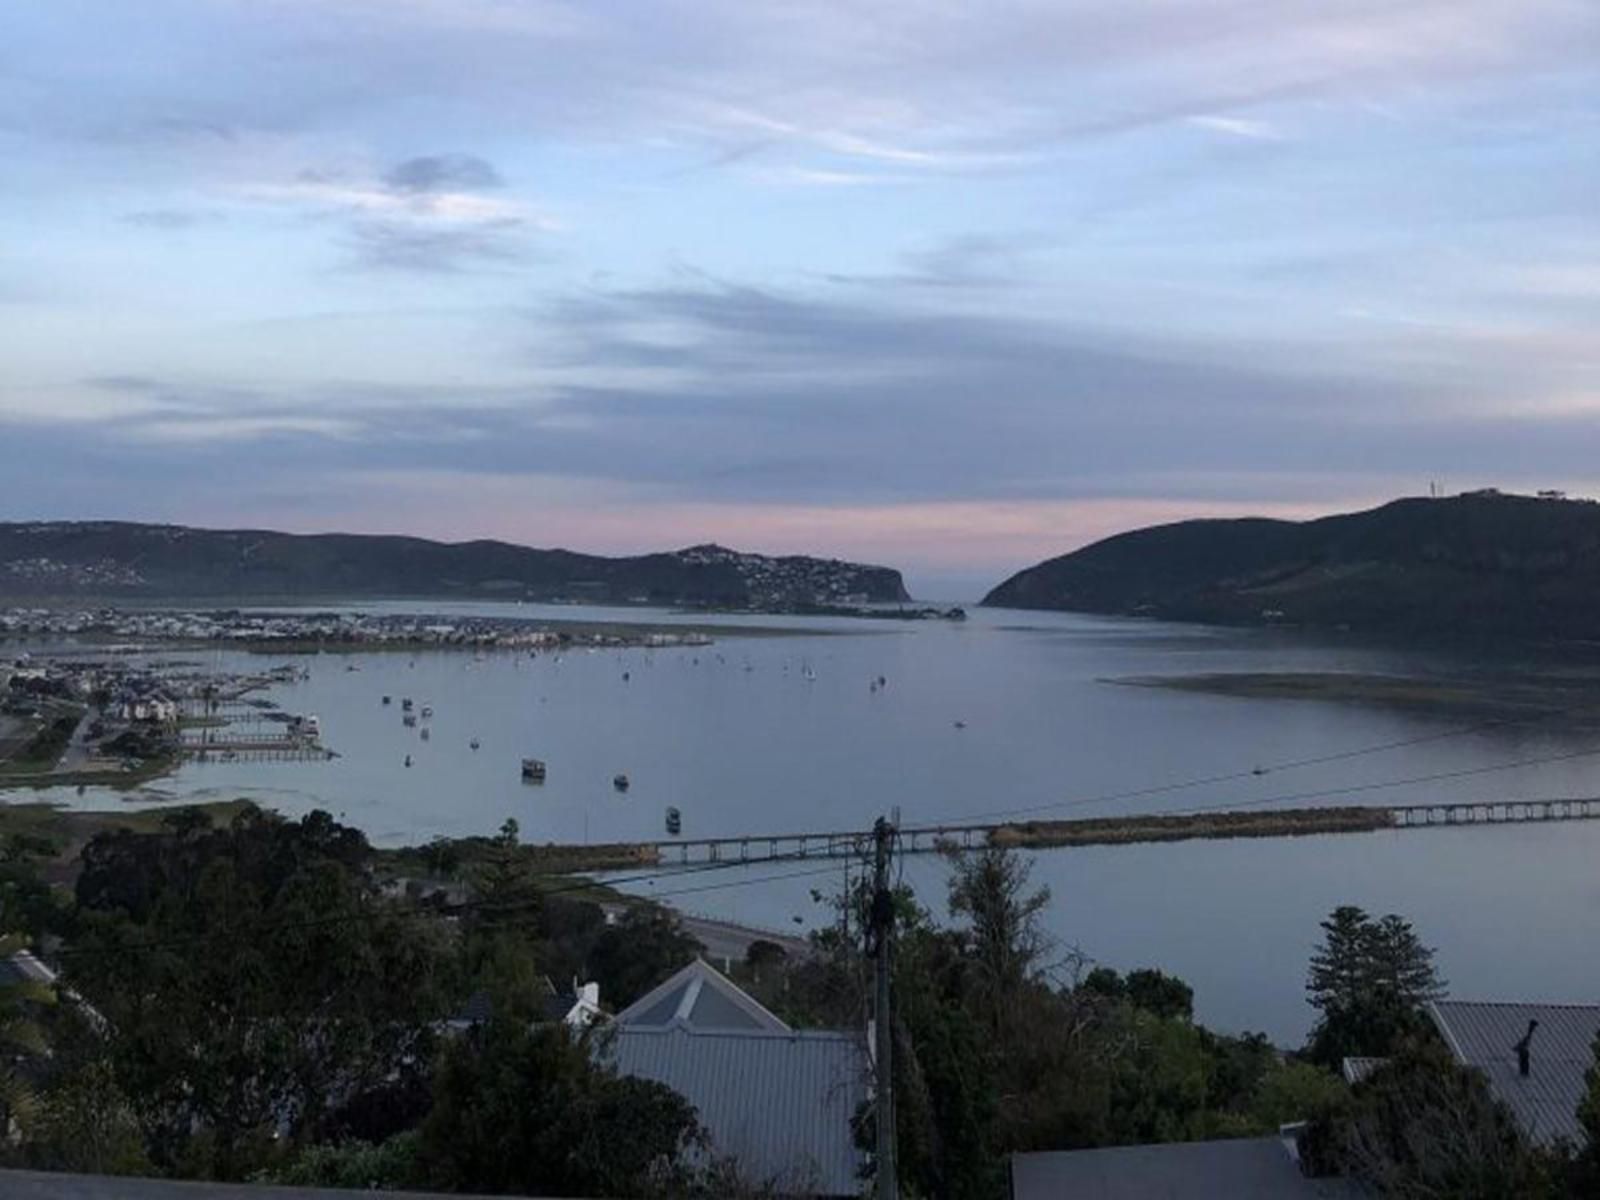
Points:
(727, 940)
(76, 755)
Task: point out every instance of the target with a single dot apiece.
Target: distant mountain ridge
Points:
(1483, 563)
(125, 559)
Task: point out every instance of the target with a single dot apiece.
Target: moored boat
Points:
(533, 770)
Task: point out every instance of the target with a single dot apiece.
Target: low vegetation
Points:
(252, 998)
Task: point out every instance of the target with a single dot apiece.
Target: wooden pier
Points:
(1123, 830)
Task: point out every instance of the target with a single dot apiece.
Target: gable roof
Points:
(701, 998)
(1240, 1169)
(1485, 1035)
(22, 966)
(780, 1103)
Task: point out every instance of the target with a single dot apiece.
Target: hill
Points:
(114, 560)
(1483, 563)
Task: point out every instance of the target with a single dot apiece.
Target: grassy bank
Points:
(1572, 697)
(117, 777)
(1121, 831)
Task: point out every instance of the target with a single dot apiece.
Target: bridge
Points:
(1123, 830)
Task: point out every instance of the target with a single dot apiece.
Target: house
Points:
(779, 1102)
(1355, 1070)
(577, 1009)
(21, 966)
(1266, 1168)
(1533, 1055)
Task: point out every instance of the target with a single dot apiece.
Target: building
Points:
(1240, 1169)
(779, 1102)
(1533, 1055)
(577, 1009)
(21, 966)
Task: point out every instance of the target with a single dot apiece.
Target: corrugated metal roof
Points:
(1356, 1069)
(1483, 1035)
(701, 996)
(780, 1103)
(1242, 1169)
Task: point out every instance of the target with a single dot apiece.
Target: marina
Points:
(950, 722)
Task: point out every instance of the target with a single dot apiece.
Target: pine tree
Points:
(1340, 966)
(1370, 979)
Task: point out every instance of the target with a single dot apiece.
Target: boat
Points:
(408, 760)
(620, 782)
(427, 711)
(674, 822)
(405, 705)
(388, 700)
(424, 733)
(533, 770)
(473, 743)
(410, 720)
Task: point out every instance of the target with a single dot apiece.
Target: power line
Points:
(1271, 769)
(1437, 777)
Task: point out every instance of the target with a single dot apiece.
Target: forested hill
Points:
(1484, 563)
(117, 559)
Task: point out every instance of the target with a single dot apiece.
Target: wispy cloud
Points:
(1241, 127)
(431, 213)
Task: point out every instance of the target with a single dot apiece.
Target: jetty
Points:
(1109, 831)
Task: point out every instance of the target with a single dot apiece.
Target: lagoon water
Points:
(784, 734)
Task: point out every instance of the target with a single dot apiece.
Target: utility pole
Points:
(883, 946)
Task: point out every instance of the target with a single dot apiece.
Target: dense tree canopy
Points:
(1369, 980)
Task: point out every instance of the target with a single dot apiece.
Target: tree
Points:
(1422, 1126)
(1584, 1171)
(86, 1124)
(646, 945)
(1161, 994)
(1369, 979)
(528, 1110)
(248, 977)
(990, 889)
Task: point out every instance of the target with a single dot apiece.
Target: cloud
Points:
(169, 218)
(433, 173)
(412, 246)
(727, 394)
(427, 214)
(1241, 127)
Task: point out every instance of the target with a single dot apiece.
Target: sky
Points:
(949, 286)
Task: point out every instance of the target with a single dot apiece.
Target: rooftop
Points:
(1241, 1169)
(779, 1103)
(1485, 1035)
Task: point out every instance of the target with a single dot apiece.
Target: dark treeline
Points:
(251, 1001)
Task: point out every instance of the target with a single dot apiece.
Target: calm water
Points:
(782, 734)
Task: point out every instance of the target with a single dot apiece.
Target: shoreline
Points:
(1508, 699)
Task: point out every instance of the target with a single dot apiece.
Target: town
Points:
(117, 630)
